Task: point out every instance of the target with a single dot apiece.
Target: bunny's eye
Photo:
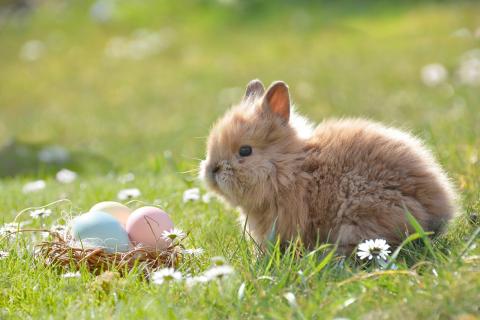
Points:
(245, 151)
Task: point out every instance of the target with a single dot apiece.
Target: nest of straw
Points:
(59, 253)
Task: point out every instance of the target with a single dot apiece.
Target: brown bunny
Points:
(346, 181)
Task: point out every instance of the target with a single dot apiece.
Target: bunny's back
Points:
(365, 176)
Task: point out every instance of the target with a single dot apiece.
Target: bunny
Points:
(345, 181)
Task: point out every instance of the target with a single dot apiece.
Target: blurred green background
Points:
(118, 83)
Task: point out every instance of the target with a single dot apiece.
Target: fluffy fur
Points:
(348, 181)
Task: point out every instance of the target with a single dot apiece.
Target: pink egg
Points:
(145, 226)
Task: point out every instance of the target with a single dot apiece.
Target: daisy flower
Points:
(173, 235)
(434, 74)
(166, 275)
(34, 186)
(196, 252)
(40, 213)
(206, 198)
(218, 272)
(60, 229)
(290, 297)
(128, 177)
(370, 249)
(127, 194)
(9, 228)
(191, 281)
(218, 261)
(71, 275)
(241, 291)
(66, 176)
(191, 195)
(3, 254)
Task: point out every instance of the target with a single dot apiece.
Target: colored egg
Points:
(100, 229)
(118, 210)
(146, 225)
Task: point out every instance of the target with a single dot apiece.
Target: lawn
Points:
(124, 93)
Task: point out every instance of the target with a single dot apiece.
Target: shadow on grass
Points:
(23, 158)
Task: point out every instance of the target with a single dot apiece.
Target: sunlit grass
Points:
(151, 116)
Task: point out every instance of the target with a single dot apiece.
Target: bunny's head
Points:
(253, 148)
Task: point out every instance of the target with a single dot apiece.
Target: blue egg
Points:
(99, 229)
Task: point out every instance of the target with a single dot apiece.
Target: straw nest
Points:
(59, 252)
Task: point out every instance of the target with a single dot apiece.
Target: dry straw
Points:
(59, 253)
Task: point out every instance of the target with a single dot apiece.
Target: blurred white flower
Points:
(128, 177)
(9, 228)
(102, 10)
(370, 249)
(34, 186)
(69, 275)
(462, 33)
(66, 176)
(166, 275)
(53, 154)
(173, 235)
(191, 281)
(227, 2)
(290, 297)
(127, 194)
(241, 291)
(477, 33)
(40, 213)
(32, 50)
(142, 44)
(434, 74)
(272, 279)
(191, 195)
(219, 272)
(196, 252)
(3, 254)
(218, 261)
(60, 229)
(206, 198)
(469, 69)
(348, 302)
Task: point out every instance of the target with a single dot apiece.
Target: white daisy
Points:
(241, 291)
(434, 74)
(377, 248)
(40, 213)
(191, 281)
(196, 252)
(166, 275)
(207, 197)
(290, 297)
(218, 261)
(32, 50)
(71, 275)
(9, 228)
(219, 272)
(60, 229)
(127, 194)
(191, 195)
(54, 154)
(66, 176)
(3, 254)
(173, 235)
(128, 177)
(34, 186)
(469, 69)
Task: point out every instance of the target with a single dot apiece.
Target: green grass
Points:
(151, 117)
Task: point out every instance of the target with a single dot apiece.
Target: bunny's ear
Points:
(255, 89)
(277, 100)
